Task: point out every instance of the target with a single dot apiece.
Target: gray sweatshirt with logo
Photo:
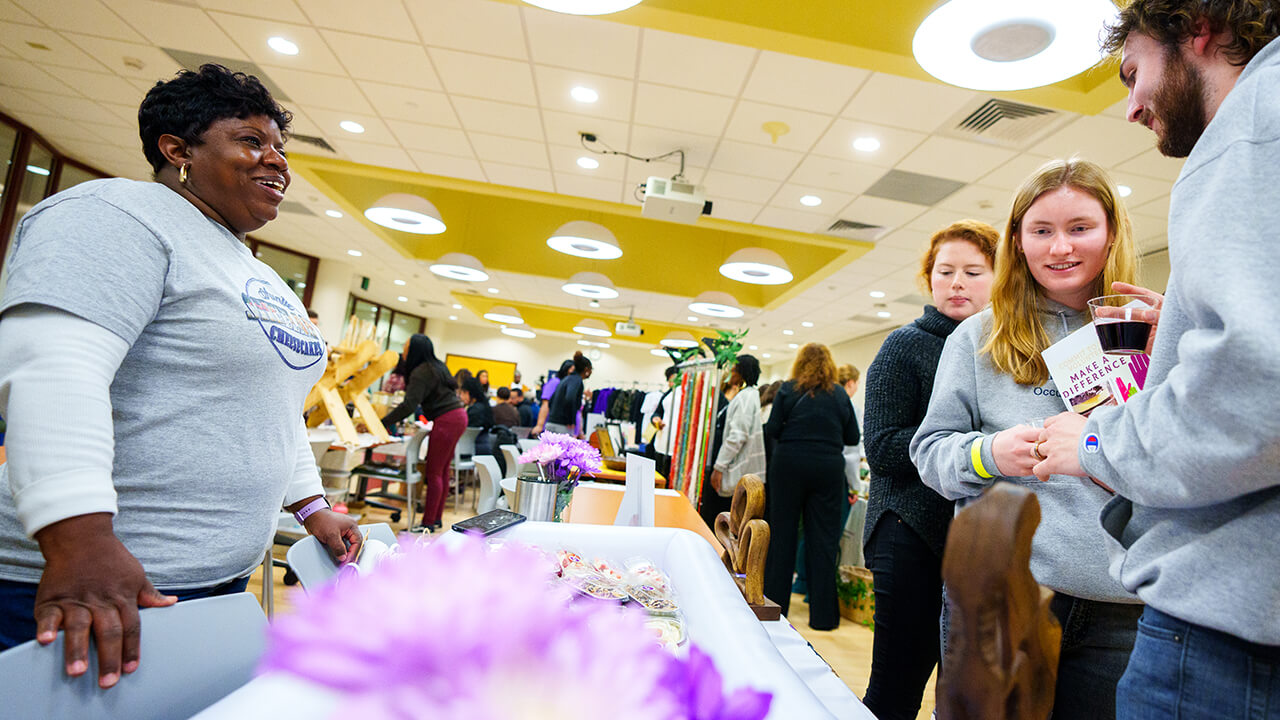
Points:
(971, 402)
(1195, 457)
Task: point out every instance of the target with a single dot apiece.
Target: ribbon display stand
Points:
(695, 408)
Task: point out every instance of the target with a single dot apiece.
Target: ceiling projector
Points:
(673, 200)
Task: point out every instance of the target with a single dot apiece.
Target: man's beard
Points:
(1180, 99)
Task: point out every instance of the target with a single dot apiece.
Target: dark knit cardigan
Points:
(899, 383)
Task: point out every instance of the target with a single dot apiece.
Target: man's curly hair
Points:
(1251, 23)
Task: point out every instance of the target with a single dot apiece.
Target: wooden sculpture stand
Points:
(352, 368)
(745, 536)
(1003, 643)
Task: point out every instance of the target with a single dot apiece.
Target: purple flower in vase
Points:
(696, 685)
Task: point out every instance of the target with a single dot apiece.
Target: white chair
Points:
(310, 561)
(507, 501)
(193, 654)
(462, 459)
(410, 475)
(526, 444)
(489, 474)
(511, 453)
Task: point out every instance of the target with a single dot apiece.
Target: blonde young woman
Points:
(1068, 239)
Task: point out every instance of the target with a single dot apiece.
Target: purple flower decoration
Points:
(563, 456)
(467, 632)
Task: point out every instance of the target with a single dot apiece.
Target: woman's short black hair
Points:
(192, 101)
(749, 368)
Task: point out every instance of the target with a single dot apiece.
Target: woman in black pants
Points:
(812, 421)
(906, 521)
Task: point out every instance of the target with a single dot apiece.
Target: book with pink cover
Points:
(1087, 378)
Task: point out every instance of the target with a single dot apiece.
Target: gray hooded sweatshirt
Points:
(1195, 457)
(971, 402)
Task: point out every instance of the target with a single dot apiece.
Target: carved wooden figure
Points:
(745, 536)
(1003, 642)
(352, 367)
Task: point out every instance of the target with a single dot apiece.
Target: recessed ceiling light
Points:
(593, 327)
(585, 239)
(351, 126)
(995, 45)
(806, 323)
(584, 94)
(585, 343)
(788, 332)
(504, 314)
(406, 213)
(716, 304)
(282, 45)
(679, 339)
(1124, 190)
(398, 282)
(883, 314)
(459, 266)
(590, 285)
(37, 170)
(519, 331)
(693, 318)
(766, 356)
(866, 144)
(494, 291)
(456, 306)
(877, 294)
(756, 266)
(753, 347)
(811, 201)
(793, 346)
(588, 163)
(402, 298)
(584, 7)
(333, 213)
(659, 352)
(354, 253)
(453, 317)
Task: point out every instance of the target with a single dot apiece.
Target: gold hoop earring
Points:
(182, 174)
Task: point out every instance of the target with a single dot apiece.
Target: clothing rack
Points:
(695, 401)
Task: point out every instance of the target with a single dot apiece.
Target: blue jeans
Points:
(18, 603)
(1097, 638)
(1184, 671)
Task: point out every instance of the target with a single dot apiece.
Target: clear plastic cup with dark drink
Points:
(1123, 323)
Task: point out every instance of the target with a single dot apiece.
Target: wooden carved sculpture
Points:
(353, 366)
(1003, 642)
(745, 536)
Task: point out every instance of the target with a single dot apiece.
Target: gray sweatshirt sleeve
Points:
(1209, 432)
(943, 448)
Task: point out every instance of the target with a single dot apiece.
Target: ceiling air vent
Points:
(314, 141)
(854, 230)
(1006, 123)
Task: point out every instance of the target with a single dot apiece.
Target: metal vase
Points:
(536, 495)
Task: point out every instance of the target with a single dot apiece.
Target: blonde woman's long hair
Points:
(1017, 336)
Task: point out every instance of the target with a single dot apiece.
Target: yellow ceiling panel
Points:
(546, 317)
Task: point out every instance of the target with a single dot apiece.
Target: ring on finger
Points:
(1035, 452)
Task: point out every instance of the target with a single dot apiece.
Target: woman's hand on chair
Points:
(337, 532)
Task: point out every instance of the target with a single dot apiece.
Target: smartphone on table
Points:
(490, 522)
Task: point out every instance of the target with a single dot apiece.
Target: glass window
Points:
(35, 178)
(8, 141)
(291, 266)
(72, 175)
(402, 326)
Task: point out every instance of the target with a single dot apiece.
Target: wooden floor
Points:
(847, 649)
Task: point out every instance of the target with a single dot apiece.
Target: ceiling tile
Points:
(935, 219)
(905, 103)
(16, 38)
(415, 136)
(382, 60)
(735, 210)
(1153, 165)
(912, 187)
(375, 131)
(563, 128)
(511, 151)
(792, 220)
(1119, 110)
(380, 155)
(484, 77)
(485, 27)
(466, 168)
(1142, 189)
(877, 211)
(747, 188)
(79, 16)
(694, 63)
(58, 127)
(171, 25)
(802, 83)
(554, 85)
(788, 198)
(87, 111)
(314, 90)
(844, 176)
(906, 239)
(155, 63)
(394, 102)
(895, 144)
(384, 18)
(684, 110)
(497, 118)
(17, 102)
(581, 42)
(1156, 208)
(252, 35)
(99, 86)
(518, 176)
(758, 160)
(652, 142)
(588, 187)
(1010, 175)
(979, 202)
(1104, 140)
(285, 10)
(955, 159)
(12, 13)
(564, 160)
(803, 128)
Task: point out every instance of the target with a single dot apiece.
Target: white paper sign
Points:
(637, 500)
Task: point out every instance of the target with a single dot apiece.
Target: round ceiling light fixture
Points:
(584, 239)
(757, 266)
(593, 327)
(996, 45)
(659, 352)
(459, 266)
(406, 213)
(679, 339)
(716, 304)
(504, 314)
(590, 285)
(519, 331)
(584, 7)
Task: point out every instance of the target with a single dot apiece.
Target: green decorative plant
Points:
(857, 594)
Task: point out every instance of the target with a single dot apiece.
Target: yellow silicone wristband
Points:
(975, 454)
